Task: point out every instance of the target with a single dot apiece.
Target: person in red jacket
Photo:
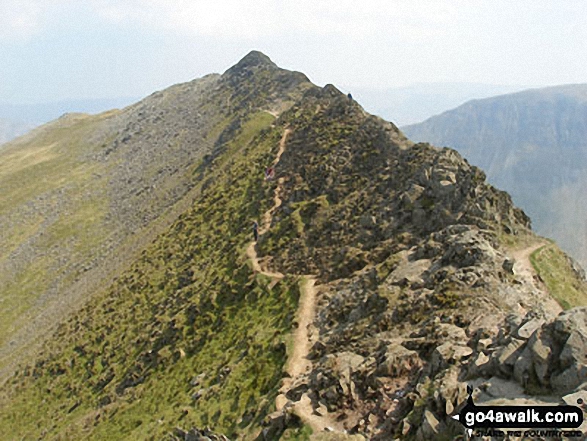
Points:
(269, 173)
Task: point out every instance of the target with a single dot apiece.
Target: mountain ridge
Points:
(411, 254)
(130, 167)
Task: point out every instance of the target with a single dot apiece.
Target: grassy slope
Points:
(124, 367)
(554, 268)
(51, 171)
(58, 221)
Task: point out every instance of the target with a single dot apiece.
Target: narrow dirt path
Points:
(523, 267)
(298, 363)
(268, 216)
(524, 270)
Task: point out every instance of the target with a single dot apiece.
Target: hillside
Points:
(531, 144)
(84, 194)
(387, 276)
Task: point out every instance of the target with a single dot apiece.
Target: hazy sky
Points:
(63, 49)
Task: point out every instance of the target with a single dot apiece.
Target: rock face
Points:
(352, 201)
(418, 295)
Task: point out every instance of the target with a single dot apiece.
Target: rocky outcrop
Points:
(530, 144)
(346, 206)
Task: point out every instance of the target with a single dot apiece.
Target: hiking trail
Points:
(298, 363)
(524, 269)
(522, 266)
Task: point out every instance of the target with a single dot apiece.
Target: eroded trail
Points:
(524, 270)
(523, 267)
(268, 216)
(298, 363)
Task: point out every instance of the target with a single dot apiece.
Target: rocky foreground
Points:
(420, 294)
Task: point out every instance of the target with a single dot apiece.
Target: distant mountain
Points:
(40, 113)
(415, 103)
(10, 129)
(17, 119)
(532, 144)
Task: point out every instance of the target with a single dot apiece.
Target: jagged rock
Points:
(469, 249)
(512, 323)
(408, 272)
(480, 366)
(568, 379)
(275, 424)
(570, 320)
(448, 333)
(484, 344)
(542, 346)
(524, 368)
(399, 361)
(527, 329)
(573, 357)
(573, 352)
(430, 428)
(508, 265)
(448, 353)
(506, 357)
(344, 363)
(452, 392)
(499, 388)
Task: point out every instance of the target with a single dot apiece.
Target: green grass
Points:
(50, 171)
(554, 269)
(190, 306)
(69, 221)
(297, 434)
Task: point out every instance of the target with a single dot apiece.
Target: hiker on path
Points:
(350, 97)
(256, 230)
(269, 173)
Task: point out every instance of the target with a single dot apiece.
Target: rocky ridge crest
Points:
(419, 294)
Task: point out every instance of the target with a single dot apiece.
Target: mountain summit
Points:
(253, 59)
(274, 263)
